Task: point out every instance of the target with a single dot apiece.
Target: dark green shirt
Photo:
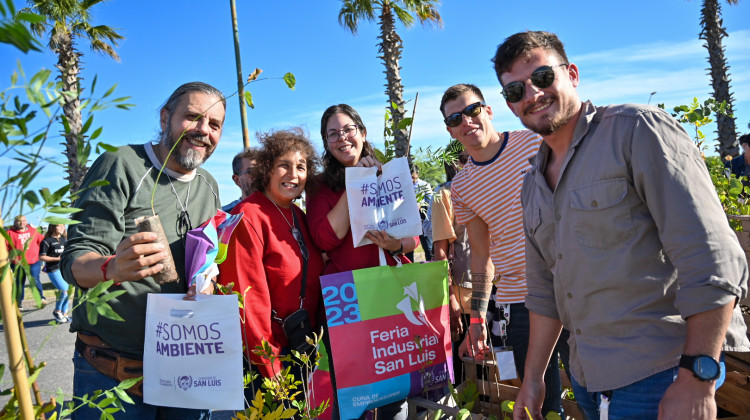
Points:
(108, 217)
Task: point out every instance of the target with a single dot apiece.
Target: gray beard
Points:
(191, 159)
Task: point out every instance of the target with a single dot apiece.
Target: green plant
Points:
(28, 109)
(729, 188)
(697, 115)
(285, 396)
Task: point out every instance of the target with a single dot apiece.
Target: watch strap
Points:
(688, 362)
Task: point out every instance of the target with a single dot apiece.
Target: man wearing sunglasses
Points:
(627, 246)
(486, 198)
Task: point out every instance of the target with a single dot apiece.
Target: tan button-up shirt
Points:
(632, 242)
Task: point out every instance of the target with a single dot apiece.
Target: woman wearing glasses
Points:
(271, 252)
(345, 144)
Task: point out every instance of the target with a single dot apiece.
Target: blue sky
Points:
(624, 51)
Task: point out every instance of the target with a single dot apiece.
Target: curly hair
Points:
(333, 171)
(276, 144)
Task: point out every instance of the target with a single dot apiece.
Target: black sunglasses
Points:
(454, 120)
(542, 77)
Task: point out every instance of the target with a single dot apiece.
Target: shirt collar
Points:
(157, 164)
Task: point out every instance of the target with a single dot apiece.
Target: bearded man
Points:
(106, 244)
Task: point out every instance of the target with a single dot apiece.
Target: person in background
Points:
(52, 247)
(26, 239)
(486, 198)
(423, 191)
(740, 165)
(106, 244)
(627, 246)
(345, 143)
(243, 167)
(271, 254)
(451, 243)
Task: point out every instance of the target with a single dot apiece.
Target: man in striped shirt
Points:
(486, 198)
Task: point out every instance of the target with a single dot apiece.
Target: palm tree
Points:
(390, 45)
(66, 21)
(713, 32)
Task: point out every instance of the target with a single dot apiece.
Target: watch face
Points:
(706, 368)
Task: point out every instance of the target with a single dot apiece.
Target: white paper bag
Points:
(386, 202)
(192, 355)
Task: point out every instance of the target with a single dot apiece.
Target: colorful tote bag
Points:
(389, 332)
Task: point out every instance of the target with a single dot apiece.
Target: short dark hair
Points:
(191, 87)
(333, 171)
(455, 91)
(745, 139)
(520, 45)
(456, 147)
(276, 144)
(249, 153)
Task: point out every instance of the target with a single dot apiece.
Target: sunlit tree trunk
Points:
(713, 33)
(390, 50)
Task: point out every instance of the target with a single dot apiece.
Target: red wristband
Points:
(104, 267)
(476, 320)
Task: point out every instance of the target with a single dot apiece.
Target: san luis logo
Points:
(184, 382)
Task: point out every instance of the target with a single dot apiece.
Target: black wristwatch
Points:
(705, 368)
(400, 250)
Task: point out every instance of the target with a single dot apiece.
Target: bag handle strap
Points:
(305, 256)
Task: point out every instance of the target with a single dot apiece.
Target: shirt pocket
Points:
(541, 233)
(600, 214)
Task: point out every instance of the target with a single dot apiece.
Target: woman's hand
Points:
(369, 162)
(384, 240)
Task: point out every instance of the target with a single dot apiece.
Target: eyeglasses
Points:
(248, 171)
(542, 77)
(463, 159)
(346, 132)
(472, 110)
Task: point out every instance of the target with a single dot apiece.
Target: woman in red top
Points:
(265, 260)
(345, 144)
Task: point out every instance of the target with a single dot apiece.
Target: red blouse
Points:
(265, 264)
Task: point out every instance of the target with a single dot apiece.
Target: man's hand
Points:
(475, 343)
(530, 397)
(136, 257)
(457, 325)
(688, 398)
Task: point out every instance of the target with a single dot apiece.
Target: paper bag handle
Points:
(181, 313)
